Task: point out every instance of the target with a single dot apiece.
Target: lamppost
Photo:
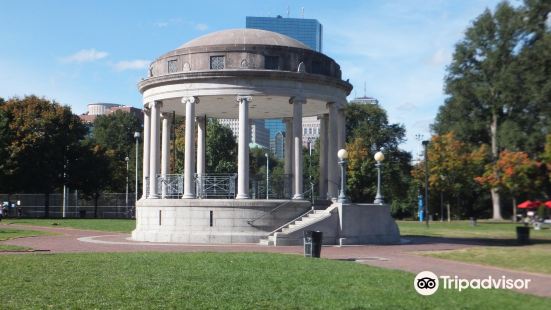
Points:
(267, 175)
(379, 157)
(343, 155)
(310, 168)
(425, 145)
(137, 137)
(126, 159)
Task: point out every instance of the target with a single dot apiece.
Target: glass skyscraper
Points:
(307, 31)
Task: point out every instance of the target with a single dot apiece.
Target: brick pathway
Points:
(401, 257)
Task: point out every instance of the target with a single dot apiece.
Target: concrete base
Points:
(212, 220)
(345, 224)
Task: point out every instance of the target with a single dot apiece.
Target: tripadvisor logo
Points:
(426, 283)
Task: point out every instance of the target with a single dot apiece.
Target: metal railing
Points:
(279, 186)
(214, 185)
(170, 185)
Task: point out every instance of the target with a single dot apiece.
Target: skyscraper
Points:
(307, 31)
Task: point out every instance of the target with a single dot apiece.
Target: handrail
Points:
(251, 221)
(288, 223)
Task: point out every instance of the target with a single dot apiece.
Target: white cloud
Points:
(161, 24)
(440, 57)
(86, 55)
(131, 64)
(201, 27)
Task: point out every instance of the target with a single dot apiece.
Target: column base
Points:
(188, 196)
(153, 196)
(298, 196)
(242, 196)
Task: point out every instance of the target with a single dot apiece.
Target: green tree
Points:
(221, 150)
(43, 137)
(91, 172)
(483, 83)
(115, 133)
(368, 131)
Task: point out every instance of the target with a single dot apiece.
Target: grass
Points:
(463, 229)
(114, 225)
(223, 280)
(8, 233)
(534, 258)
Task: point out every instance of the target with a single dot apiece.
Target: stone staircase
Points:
(298, 224)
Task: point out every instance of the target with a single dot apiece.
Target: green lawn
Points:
(534, 258)
(8, 233)
(463, 229)
(115, 225)
(224, 280)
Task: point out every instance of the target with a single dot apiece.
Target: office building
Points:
(307, 31)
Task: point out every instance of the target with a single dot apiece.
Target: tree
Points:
(91, 172)
(452, 169)
(516, 173)
(43, 137)
(483, 83)
(115, 133)
(368, 131)
(221, 150)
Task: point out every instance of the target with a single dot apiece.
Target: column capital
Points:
(190, 99)
(323, 116)
(157, 103)
(330, 104)
(297, 100)
(240, 98)
(166, 115)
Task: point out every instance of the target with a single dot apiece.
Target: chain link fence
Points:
(110, 205)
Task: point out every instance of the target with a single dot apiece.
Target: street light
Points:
(137, 137)
(267, 176)
(379, 157)
(126, 159)
(343, 155)
(426, 144)
(310, 168)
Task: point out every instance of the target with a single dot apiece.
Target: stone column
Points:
(189, 147)
(288, 164)
(154, 149)
(332, 165)
(165, 149)
(201, 146)
(297, 147)
(341, 129)
(323, 157)
(243, 148)
(146, 145)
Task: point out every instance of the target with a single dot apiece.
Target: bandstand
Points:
(239, 74)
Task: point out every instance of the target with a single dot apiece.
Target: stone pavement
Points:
(402, 257)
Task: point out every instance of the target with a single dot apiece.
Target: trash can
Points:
(82, 213)
(523, 235)
(312, 243)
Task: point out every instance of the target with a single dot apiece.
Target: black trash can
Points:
(82, 213)
(523, 235)
(312, 243)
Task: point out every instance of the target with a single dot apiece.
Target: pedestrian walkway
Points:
(401, 257)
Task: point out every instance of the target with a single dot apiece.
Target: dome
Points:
(245, 36)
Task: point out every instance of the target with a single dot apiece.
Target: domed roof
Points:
(245, 36)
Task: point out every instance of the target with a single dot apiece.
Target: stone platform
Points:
(218, 221)
(271, 222)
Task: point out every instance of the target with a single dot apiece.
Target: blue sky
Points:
(79, 52)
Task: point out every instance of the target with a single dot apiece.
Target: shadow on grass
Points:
(416, 239)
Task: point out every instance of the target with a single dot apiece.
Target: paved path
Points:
(401, 257)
